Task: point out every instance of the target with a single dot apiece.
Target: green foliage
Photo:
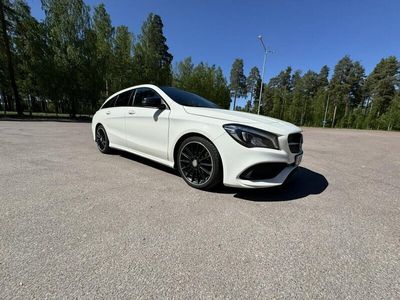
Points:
(74, 59)
(122, 66)
(346, 89)
(391, 117)
(348, 100)
(103, 49)
(380, 91)
(253, 85)
(276, 94)
(67, 24)
(9, 19)
(152, 60)
(204, 80)
(238, 81)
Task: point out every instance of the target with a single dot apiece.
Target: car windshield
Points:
(188, 99)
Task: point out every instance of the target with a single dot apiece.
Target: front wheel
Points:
(199, 163)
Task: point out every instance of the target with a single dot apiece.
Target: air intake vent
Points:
(263, 171)
(295, 141)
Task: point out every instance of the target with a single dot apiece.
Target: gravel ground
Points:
(75, 223)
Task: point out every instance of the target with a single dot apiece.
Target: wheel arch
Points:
(94, 129)
(184, 137)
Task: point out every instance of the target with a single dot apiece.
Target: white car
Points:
(208, 145)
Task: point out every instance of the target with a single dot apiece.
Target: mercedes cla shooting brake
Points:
(206, 144)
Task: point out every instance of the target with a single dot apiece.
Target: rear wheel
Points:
(199, 163)
(102, 140)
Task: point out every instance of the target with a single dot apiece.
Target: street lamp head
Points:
(260, 37)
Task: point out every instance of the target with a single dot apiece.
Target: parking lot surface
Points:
(76, 223)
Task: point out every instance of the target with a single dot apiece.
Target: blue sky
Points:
(305, 34)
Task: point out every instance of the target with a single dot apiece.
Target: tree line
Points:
(347, 99)
(75, 58)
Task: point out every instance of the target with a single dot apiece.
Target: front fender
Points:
(179, 128)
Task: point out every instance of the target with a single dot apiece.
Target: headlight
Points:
(252, 137)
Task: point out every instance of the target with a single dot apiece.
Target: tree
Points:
(346, 89)
(123, 72)
(183, 74)
(320, 100)
(6, 12)
(104, 42)
(73, 60)
(323, 74)
(151, 58)
(253, 84)
(392, 116)
(29, 53)
(310, 87)
(204, 80)
(280, 88)
(238, 81)
(380, 88)
(67, 22)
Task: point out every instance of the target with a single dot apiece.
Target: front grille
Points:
(263, 171)
(295, 141)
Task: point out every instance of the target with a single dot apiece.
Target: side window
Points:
(141, 94)
(110, 103)
(123, 98)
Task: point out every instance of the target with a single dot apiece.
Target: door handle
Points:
(131, 112)
(108, 112)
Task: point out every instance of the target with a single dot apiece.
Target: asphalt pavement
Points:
(75, 223)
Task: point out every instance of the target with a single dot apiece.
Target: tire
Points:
(102, 141)
(199, 163)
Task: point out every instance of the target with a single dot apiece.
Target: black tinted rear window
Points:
(123, 98)
(110, 103)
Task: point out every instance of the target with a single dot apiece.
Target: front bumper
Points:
(236, 159)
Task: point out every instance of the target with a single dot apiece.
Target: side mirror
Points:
(153, 102)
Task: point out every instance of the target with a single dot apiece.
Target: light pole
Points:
(326, 111)
(262, 73)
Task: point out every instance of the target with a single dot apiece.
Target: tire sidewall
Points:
(107, 146)
(215, 176)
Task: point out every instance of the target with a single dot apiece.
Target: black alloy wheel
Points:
(199, 163)
(102, 140)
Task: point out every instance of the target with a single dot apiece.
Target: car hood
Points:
(265, 123)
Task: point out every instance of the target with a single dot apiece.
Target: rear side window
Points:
(110, 103)
(123, 98)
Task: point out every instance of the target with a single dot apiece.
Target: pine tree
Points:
(183, 74)
(67, 22)
(238, 81)
(122, 70)
(104, 41)
(151, 58)
(280, 86)
(253, 84)
(380, 89)
(30, 57)
(7, 13)
(346, 89)
(392, 116)
(204, 80)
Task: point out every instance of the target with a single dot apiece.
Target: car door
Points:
(147, 127)
(115, 119)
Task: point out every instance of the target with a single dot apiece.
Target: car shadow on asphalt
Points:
(302, 183)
